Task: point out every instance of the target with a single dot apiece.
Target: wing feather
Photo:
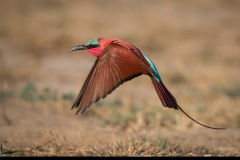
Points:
(79, 97)
(116, 65)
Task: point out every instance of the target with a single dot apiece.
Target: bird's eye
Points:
(92, 46)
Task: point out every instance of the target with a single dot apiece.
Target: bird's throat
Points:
(95, 51)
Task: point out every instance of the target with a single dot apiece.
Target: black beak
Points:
(79, 47)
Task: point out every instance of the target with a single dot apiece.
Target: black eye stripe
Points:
(92, 46)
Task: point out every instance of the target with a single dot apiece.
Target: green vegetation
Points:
(69, 96)
(5, 94)
(232, 93)
(7, 152)
(30, 93)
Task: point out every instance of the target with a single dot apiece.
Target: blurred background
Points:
(195, 46)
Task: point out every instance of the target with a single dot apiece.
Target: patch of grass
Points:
(232, 93)
(8, 152)
(5, 94)
(68, 97)
(30, 93)
(47, 94)
(160, 143)
(157, 147)
(118, 119)
(132, 148)
(137, 115)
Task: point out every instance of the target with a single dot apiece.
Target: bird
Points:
(119, 61)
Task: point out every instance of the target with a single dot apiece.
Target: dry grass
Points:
(132, 149)
(58, 143)
(194, 45)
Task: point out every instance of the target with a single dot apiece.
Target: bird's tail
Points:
(169, 101)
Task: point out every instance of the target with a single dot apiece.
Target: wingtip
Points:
(80, 109)
(72, 107)
(76, 112)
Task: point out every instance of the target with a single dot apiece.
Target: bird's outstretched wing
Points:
(116, 65)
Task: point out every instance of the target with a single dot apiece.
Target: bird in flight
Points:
(119, 61)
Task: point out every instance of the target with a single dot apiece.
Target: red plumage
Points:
(117, 62)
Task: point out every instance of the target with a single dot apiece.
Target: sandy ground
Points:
(32, 126)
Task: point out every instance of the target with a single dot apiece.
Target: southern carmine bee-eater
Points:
(118, 61)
